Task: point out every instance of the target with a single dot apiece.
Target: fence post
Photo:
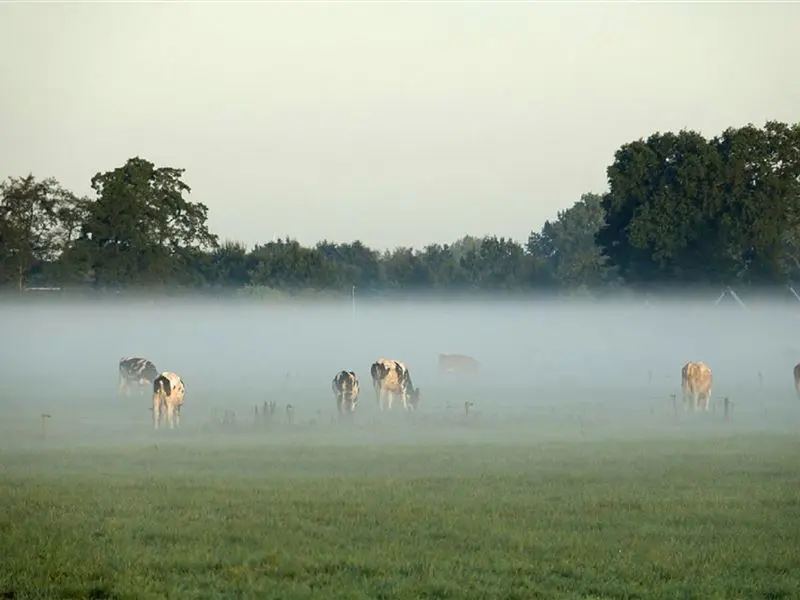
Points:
(44, 431)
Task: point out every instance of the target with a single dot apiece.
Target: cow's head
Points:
(413, 398)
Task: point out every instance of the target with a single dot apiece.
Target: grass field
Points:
(572, 476)
(705, 516)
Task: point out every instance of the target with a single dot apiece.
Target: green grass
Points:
(680, 518)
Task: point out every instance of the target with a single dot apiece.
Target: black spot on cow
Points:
(162, 382)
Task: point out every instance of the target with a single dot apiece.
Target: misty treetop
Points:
(680, 209)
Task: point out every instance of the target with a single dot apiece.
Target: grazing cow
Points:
(458, 363)
(797, 379)
(378, 371)
(168, 393)
(390, 378)
(345, 390)
(696, 383)
(134, 371)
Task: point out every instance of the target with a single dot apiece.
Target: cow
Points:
(135, 371)
(696, 383)
(390, 378)
(458, 363)
(168, 393)
(345, 390)
(378, 371)
(797, 379)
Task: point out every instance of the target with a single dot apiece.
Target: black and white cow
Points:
(168, 394)
(135, 372)
(391, 378)
(345, 390)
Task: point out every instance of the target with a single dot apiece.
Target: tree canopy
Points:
(680, 210)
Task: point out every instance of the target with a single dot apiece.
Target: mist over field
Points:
(549, 370)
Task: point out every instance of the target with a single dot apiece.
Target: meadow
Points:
(715, 517)
(572, 476)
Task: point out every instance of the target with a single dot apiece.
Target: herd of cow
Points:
(390, 379)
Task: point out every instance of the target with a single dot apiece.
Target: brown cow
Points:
(390, 378)
(696, 383)
(345, 390)
(457, 363)
(168, 393)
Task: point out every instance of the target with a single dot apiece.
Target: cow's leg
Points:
(177, 416)
(156, 412)
(171, 415)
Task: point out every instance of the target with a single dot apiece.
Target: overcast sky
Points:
(393, 123)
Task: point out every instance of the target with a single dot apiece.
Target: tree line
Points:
(680, 210)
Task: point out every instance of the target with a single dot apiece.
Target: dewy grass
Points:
(661, 519)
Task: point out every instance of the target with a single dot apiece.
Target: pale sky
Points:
(392, 123)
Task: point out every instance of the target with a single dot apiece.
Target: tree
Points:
(444, 270)
(404, 269)
(288, 265)
(355, 264)
(497, 263)
(761, 203)
(36, 225)
(141, 228)
(567, 246)
(682, 209)
(663, 212)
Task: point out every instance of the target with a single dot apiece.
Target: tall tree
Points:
(663, 212)
(36, 225)
(761, 203)
(682, 209)
(141, 228)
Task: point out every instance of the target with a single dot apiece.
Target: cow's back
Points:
(380, 369)
(345, 381)
(137, 368)
(392, 375)
(176, 389)
(696, 378)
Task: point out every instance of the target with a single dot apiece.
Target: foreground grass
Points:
(671, 519)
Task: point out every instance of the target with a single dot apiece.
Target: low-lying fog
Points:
(61, 358)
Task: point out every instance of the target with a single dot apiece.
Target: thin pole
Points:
(354, 303)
